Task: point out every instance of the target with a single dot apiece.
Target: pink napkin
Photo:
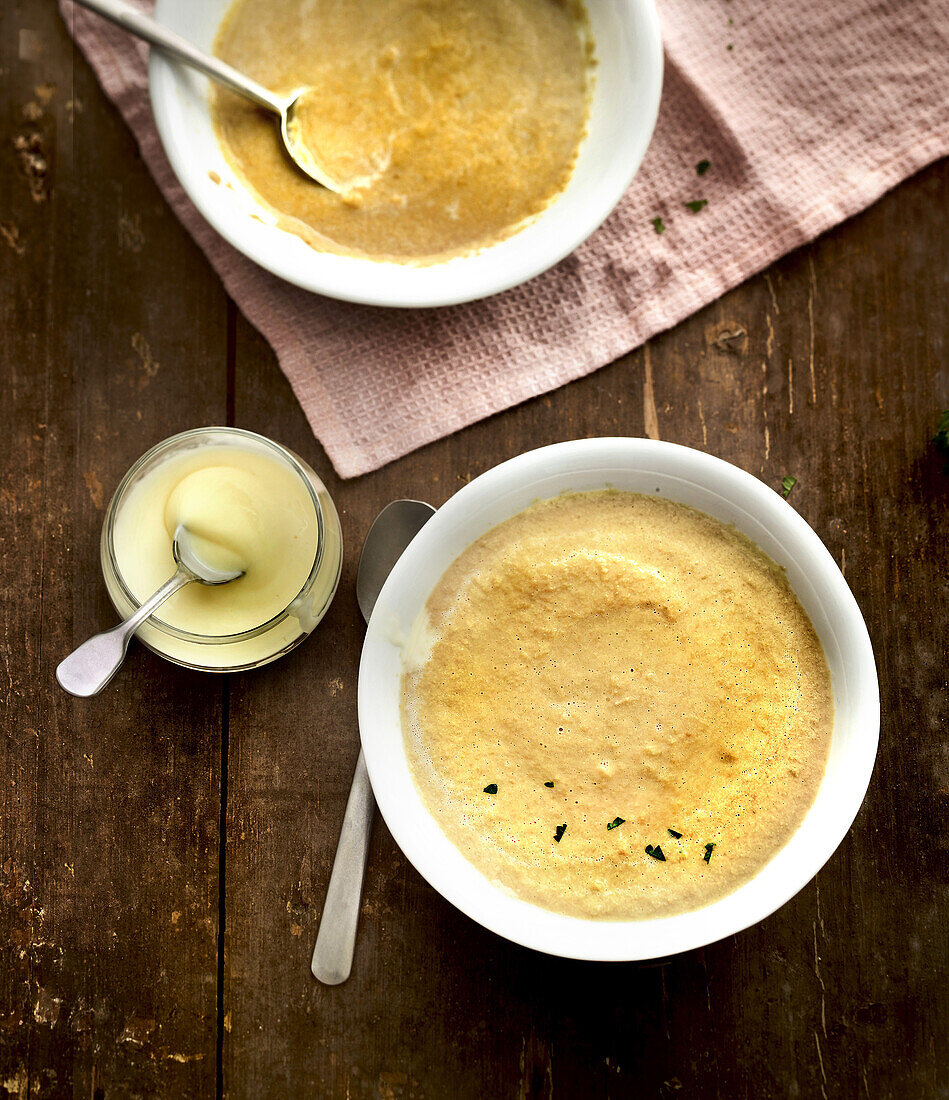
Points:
(807, 112)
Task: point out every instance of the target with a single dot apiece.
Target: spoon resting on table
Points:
(88, 669)
(394, 528)
(308, 160)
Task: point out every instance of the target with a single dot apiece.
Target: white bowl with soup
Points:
(375, 266)
(701, 603)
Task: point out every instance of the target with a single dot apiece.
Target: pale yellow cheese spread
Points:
(460, 119)
(610, 659)
(248, 511)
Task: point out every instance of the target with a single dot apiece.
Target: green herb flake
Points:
(702, 167)
(787, 484)
(729, 46)
(656, 853)
(560, 830)
(491, 788)
(941, 438)
(672, 832)
(549, 783)
(696, 205)
(658, 225)
(708, 852)
(616, 822)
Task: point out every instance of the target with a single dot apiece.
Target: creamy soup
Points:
(460, 119)
(619, 708)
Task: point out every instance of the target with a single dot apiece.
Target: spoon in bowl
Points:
(130, 19)
(89, 668)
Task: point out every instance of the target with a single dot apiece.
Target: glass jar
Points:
(283, 630)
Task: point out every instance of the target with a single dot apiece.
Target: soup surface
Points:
(460, 118)
(618, 708)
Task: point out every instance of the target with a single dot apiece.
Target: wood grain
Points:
(115, 333)
(113, 337)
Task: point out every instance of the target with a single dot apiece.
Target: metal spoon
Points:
(394, 528)
(89, 668)
(130, 19)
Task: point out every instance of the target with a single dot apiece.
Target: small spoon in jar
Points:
(130, 19)
(89, 668)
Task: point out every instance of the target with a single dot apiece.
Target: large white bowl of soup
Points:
(617, 700)
(491, 136)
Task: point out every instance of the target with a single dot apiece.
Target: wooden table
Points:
(165, 847)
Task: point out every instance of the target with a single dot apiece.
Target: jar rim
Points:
(196, 435)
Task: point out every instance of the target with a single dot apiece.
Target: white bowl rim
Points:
(416, 831)
(409, 287)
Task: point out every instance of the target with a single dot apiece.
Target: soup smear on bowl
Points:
(616, 707)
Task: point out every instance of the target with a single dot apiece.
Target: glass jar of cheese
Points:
(250, 500)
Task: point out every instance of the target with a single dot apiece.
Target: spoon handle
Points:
(336, 939)
(92, 665)
(129, 18)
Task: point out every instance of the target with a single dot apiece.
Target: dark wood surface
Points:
(165, 847)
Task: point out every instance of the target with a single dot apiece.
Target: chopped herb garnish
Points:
(696, 205)
(549, 783)
(491, 788)
(560, 830)
(941, 438)
(703, 166)
(672, 832)
(729, 46)
(616, 822)
(708, 852)
(656, 853)
(658, 225)
(787, 484)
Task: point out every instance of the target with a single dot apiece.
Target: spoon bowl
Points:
(185, 550)
(291, 133)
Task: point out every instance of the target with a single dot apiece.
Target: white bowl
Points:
(721, 490)
(623, 115)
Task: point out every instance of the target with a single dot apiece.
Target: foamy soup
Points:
(621, 711)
